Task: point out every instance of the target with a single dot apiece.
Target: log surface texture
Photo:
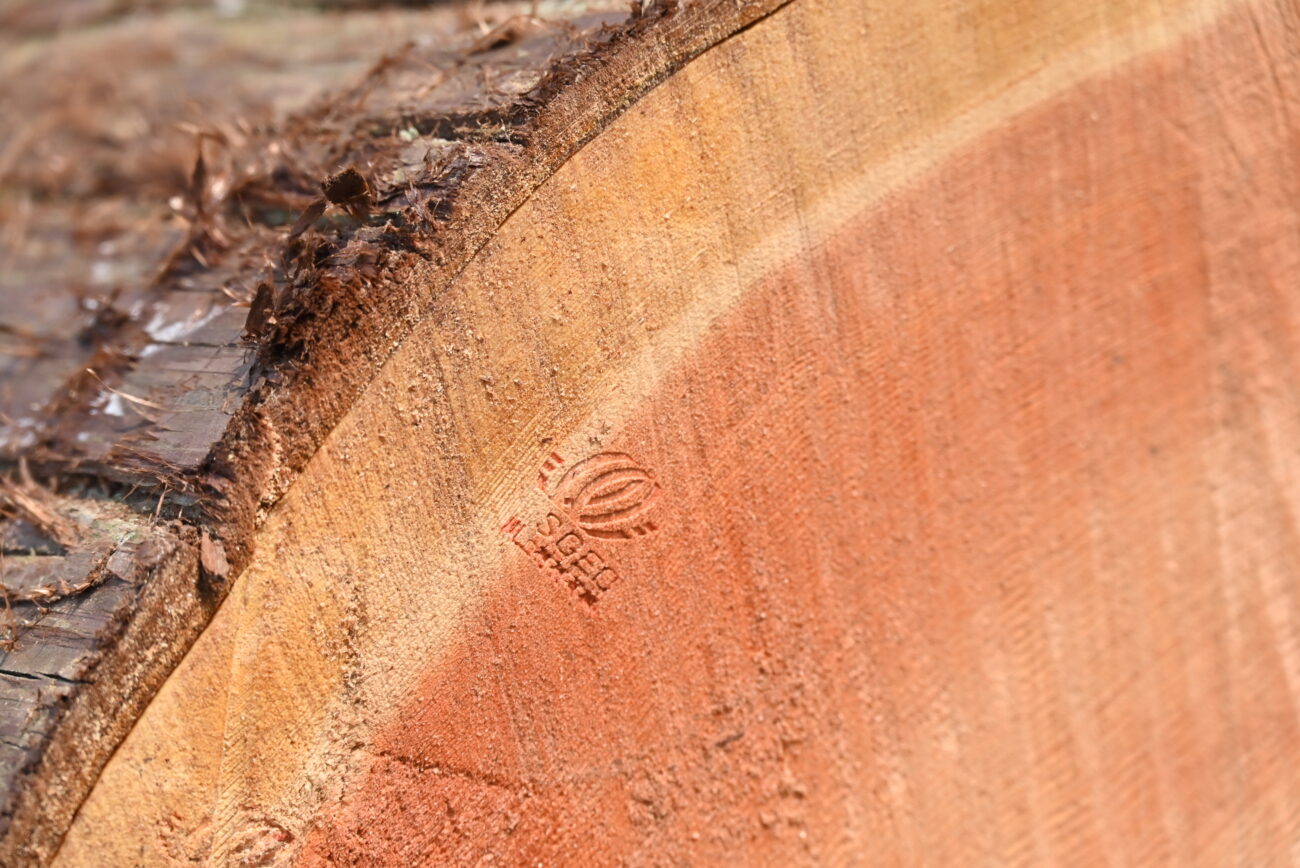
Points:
(759, 433)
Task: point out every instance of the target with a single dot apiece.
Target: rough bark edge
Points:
(170, 615)
(281, 425)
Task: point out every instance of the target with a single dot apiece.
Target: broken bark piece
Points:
(212, 558)
(759, 431)
(261, 313)
(313, 212)
(349, 190)
(87, 633)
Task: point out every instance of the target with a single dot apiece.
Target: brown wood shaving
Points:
(25, 500)
(41, 597)
(29, 502)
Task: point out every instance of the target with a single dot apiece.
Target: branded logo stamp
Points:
(605, 497)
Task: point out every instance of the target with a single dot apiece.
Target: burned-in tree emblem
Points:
(609, 495)
(605, 497)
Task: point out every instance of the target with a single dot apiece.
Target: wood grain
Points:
(147, 165)
(959, 342)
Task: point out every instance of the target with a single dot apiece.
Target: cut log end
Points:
(765, 433)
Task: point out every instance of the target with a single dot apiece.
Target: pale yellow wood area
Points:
(376, 563)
